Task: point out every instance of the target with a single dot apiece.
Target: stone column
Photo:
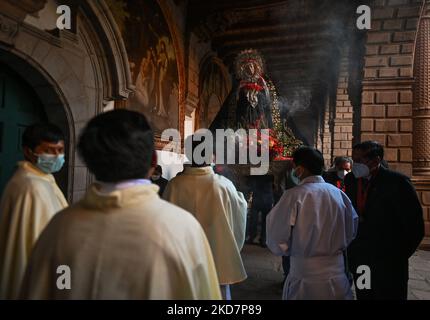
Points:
(421, 105)
(421, 119)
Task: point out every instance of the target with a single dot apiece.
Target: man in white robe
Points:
(121, 241)
(29, 201)
(220, 209)
(313, 223)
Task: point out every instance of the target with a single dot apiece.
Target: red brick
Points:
(373, 111)
(367, 125)
(372, 50)
(391, 154)
(399, 111)
(386, 125)
(399, 140)
(408, 12)
(346, 144)
(340, 136)
(407, 48)
(397, 2)
(406, 72)
(425, 197)
(406, 125)
(406, 97)
(407, 36)
(376, 25)
(388, 72)
(412, 24)
(346, 129)
(368, 97)
(347, 115)
(404, 168)
(378, 37)
(406, 155)
(427, 228)
(376, 61)
(390, 49)
(401, 61)
(393, 24)
(386, 97)
(383, 13)
(374, 137)
(370, 73)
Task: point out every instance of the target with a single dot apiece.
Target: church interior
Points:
(175, 61)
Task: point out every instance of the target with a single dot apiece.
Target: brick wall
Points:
(343, 123)
(387, 97)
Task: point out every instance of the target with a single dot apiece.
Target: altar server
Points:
(121, 241)
(30, 200)
(313, 223)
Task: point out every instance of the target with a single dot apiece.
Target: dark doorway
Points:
(19, 108)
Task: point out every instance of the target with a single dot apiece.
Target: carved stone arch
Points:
(208, 60)
(115, 68)
(74, 72)
(54, 102)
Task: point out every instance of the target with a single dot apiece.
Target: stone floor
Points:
(265, 276)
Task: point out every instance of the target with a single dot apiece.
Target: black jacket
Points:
(392, 224)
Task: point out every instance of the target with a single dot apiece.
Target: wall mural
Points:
(152, 60)
(214, 88)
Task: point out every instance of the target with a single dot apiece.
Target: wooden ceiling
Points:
(300, 40)
(297, 38)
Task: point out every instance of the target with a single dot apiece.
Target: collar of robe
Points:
(199, 170)
(122, 198)
(32, 169)
(312, 179)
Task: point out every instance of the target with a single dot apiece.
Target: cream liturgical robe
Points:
(313, 223)
(125, 244)
(220, 209)
(30, 200)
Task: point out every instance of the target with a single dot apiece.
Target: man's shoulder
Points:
(391, 178)
(22, 184)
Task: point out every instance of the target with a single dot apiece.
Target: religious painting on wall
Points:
(152, 59)
(215, 85)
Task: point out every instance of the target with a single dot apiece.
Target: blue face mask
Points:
(50, 163)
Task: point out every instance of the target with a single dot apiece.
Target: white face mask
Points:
(360, 170)
(342, 173)
(156, 177)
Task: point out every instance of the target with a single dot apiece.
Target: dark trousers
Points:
(259, 206)
(389, 279)
(286, 265)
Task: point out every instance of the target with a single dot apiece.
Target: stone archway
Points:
(75, 72)
(54, 105)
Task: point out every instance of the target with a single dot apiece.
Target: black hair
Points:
(339, 160)
(159, 168)
(117, 145)
(372, 149)
(310, 158)
(35, 134)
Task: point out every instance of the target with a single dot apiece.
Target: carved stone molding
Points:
(8, 30)
(421, 106)
(20, 9)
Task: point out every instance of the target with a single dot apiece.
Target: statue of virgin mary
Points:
(249, 105)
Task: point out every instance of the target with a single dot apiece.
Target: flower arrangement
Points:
(281, 143)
